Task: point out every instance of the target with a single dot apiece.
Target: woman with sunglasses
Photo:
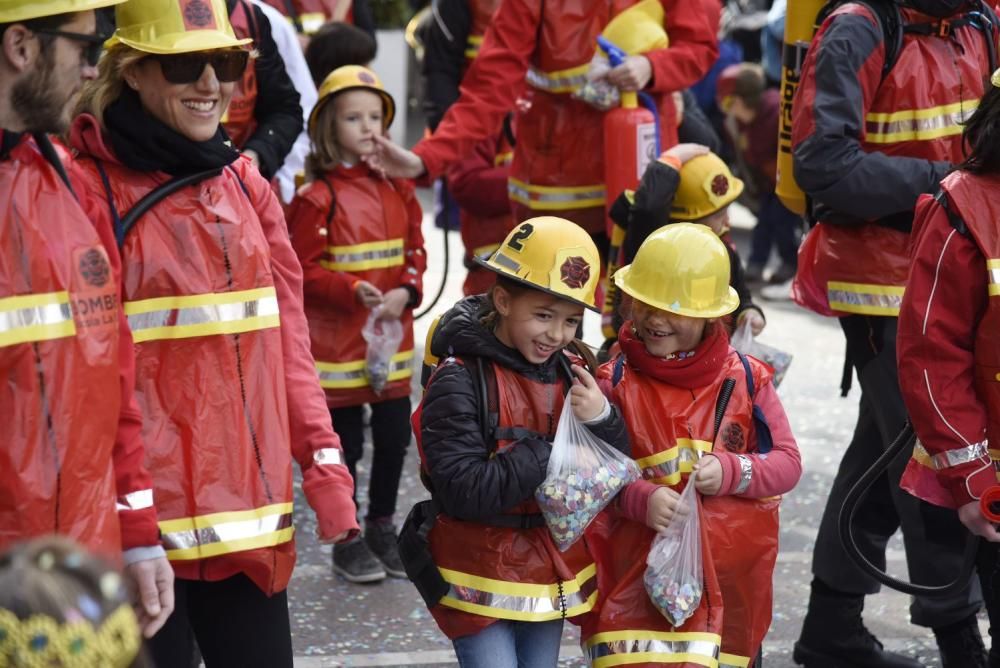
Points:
(212, 291)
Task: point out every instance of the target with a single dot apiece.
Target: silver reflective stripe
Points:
(664, 650)
(41, 317)
(356, 374)
(138, 500)
(525, 195)
(554, 83)
(746, 474)
(47, 314)
(672, 466)
(226, 532)
(909, 129)
(365, 256)
(949, 458)
(994, 273)
(328, 456)
(208, 313)
(524, 605)
(852, 298)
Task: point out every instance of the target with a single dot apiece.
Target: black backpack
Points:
(889, 16)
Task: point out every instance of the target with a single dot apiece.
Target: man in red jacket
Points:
(558, 164)
(72, 459)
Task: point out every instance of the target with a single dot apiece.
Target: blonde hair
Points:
(100, 93)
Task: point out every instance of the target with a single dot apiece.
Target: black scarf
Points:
(146, 144)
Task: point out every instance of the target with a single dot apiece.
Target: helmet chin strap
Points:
(936, 8)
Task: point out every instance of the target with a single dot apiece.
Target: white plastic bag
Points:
(583, 475)
(744, 342)
(597, 91)
(673, 575)
(383, 338)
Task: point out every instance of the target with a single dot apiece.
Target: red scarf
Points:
(694, 370)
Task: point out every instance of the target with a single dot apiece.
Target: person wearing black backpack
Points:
(876, 122)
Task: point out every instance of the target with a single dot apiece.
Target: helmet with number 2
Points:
(550, 254)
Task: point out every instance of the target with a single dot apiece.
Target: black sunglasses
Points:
(94, 44)
(185, 68)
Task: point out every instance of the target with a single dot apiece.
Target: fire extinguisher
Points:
(800, 20)
(631, 136)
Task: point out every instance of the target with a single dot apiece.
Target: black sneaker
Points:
(381, 539)
(961, 645)
(355, 562)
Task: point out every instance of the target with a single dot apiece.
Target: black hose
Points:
(904, 441)
(444, 276)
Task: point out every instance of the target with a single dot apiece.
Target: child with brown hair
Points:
(358, 237)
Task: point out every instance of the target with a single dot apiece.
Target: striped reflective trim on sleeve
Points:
(311, 21)
(224, 533)
(666, 467)
(993, 274)
(918, 124)
(203, 315)
(472, 46)
(504, 158)
(552, 198)
(328, 456)
(359, 257)
(746, 474)
(562, 81)
(950, 458)
(344, 375)
(521, 601)
(138, 500)
(864, 298)
(40, 317)
(622, 648)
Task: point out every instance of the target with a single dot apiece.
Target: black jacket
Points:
(444, 35)
(651, 211)
(277, 111)
(468, 483)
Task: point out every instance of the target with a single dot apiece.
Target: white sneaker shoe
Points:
(782, 292)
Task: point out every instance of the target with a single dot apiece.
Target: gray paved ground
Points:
(337, 623)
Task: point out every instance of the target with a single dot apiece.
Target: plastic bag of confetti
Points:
(383, 338)
(744, 341)
(673, 575)
(597, 91)
(583, 475)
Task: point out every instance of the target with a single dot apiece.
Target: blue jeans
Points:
(510, 644)
(776, 227)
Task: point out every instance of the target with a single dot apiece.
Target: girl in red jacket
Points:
(699, 412)
(358, 238)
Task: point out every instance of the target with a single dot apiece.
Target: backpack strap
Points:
(764, 440)
(49, 153)
(956, 220)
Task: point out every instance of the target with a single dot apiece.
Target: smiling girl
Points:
(358, 237)
(697, 413)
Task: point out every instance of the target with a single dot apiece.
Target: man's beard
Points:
(38, 101)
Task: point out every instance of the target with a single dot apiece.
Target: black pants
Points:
(391, 433)
(988, 567)
(235, 623)
(933, 536)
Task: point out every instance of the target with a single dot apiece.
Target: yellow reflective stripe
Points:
(667, 466)
(345, 375)
(518, 600)
(733, 661)
(213, 313)
(555, 198)
(311, 21)
(561, 81)
(918, 124)
(864, 298)
(472, 46)
(993, 273)
(371, 255)
(40, 317)
(224, 533)
(620, 648)
(504, 158)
